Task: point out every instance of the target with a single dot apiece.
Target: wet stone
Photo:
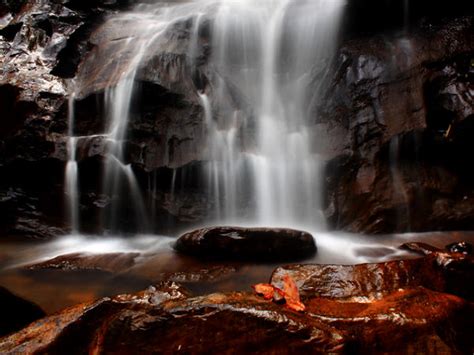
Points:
(461, 247)
(238, 322)
(259, 244)
(111, 262)
(438, 270)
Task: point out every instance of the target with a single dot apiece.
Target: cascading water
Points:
(263, 167)
(269, 51)
(71, 183)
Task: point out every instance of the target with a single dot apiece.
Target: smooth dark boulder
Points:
(16, 313)
(258, 244)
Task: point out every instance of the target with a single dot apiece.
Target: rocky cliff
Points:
(394, 124)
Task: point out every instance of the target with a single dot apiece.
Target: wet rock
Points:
(164, 291)
(399, 111)
(413, 319)
(41, 43)
(461, 247)
(438, 271)
(247, 243)
(239, 322)
(344, 281)
(113, 262)
(410, 320)
(210, 274)
(16, 313)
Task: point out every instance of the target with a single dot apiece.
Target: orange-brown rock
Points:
(415, 320)
(439, 271)
(218, 323)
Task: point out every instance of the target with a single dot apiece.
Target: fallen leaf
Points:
(266, 290)
(295, 305)
(289, 293)
(292, 296)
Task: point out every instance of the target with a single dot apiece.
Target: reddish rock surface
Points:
(231, 323)
(259, 244)
(413, 320)
(439, 271)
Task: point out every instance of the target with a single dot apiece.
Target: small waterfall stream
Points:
(71, 176)
(269, 50)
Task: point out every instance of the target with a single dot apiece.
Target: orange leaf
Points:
(266, 290)
(295, 305)
(292, 296)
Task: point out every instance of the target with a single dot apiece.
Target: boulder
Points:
(16, 313)
(257, 244)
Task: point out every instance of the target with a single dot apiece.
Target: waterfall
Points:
(71, 176)
(261, 162)
(269, 50)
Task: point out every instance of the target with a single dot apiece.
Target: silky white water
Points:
(262, 165)
(270, 51)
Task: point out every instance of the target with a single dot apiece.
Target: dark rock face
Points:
(41, 44)
(16, 312)
(247, 243)
(398, 114)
